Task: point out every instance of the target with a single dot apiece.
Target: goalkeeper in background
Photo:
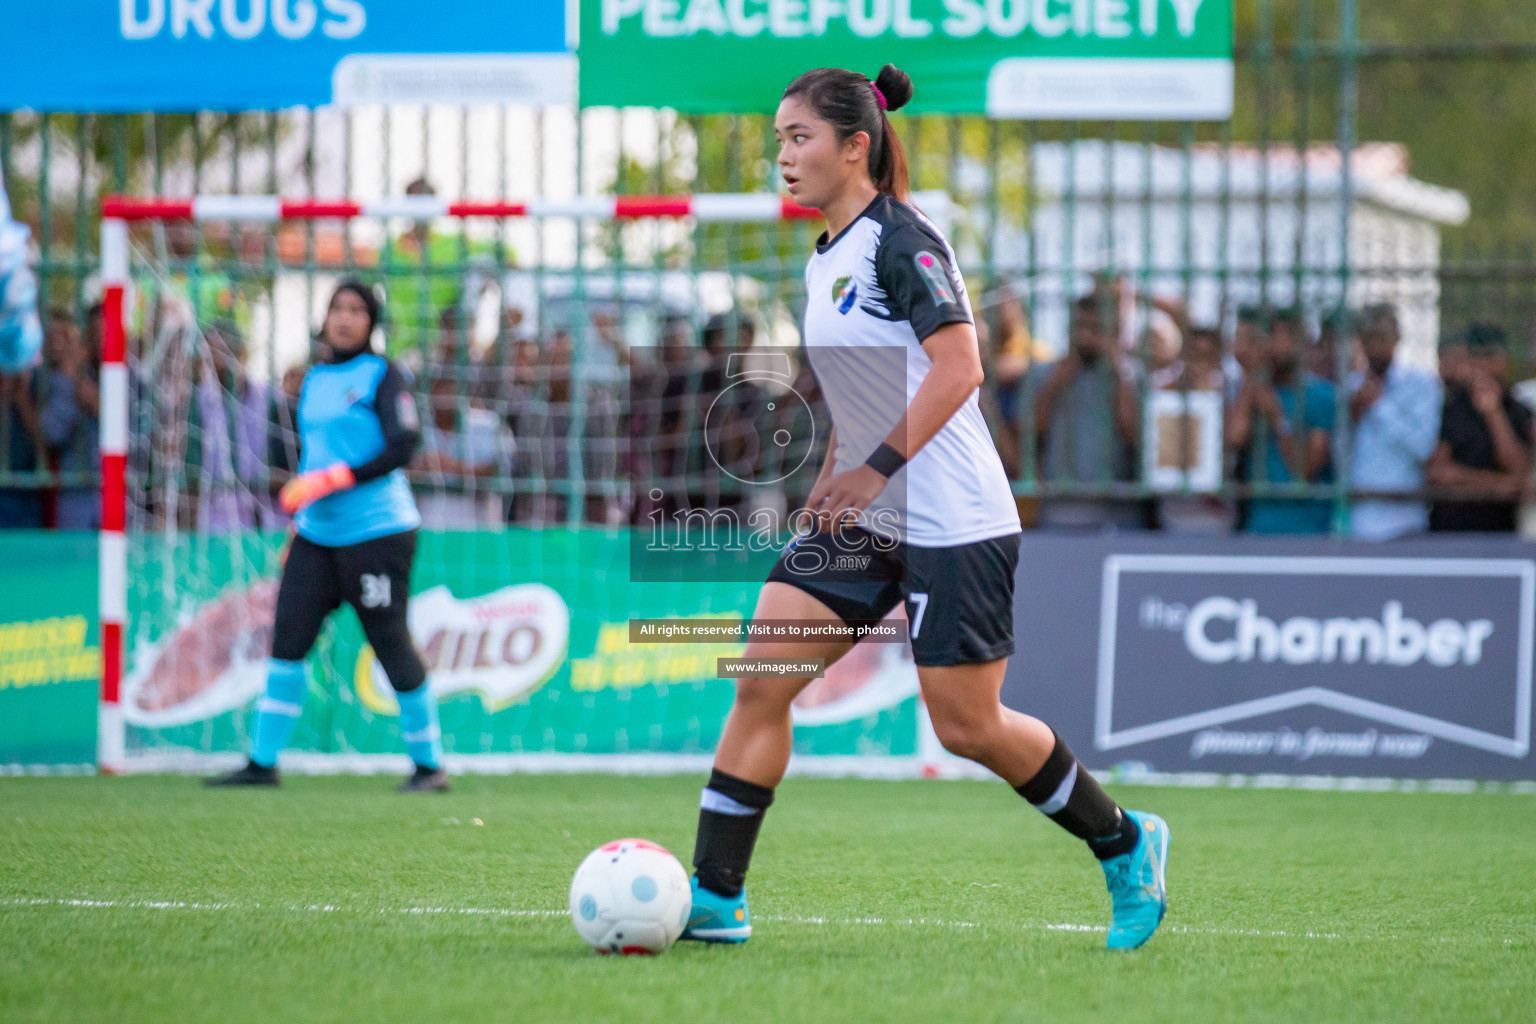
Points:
(356, 525)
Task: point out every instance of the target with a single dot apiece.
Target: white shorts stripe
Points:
(426, 735)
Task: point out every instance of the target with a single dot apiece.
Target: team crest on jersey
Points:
(845, 293)
(932, 272)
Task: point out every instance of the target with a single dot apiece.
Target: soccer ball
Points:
(630, 896)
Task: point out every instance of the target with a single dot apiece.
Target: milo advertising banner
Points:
(1064, 59)
(50, 657)
(526, 638)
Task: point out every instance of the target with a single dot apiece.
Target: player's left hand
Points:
(839, 499)
(308, 488)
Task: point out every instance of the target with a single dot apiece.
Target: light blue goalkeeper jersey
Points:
(351, 411)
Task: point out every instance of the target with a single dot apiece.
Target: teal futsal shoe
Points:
(717, 918)
(1138, 886)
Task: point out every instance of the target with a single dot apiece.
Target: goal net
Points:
(565, 399)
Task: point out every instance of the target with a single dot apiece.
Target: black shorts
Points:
(374, 577)
(959, 600)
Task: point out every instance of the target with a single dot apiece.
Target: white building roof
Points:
(1207, 172)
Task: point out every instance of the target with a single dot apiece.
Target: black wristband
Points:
(886, 461)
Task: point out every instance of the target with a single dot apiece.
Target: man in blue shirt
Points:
(1087, 421)
(1396, 412)
(1282, 419)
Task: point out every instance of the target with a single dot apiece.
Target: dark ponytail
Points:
(851, 103)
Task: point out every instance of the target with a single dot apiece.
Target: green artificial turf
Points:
(334, 899)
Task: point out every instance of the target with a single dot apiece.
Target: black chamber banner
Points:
(1291, 656)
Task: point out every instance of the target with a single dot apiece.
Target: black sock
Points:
(730, 814)
(1065, 792)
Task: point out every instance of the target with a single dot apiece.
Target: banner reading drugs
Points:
(1088, 59)
(177, 55)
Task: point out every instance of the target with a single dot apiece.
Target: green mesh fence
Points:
(1347, 179)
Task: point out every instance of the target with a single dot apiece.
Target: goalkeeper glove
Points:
(308, 488)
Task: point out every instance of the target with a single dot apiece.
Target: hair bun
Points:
(895, 85)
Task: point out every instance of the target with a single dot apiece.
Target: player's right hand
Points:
(838, 500)
(308, 488)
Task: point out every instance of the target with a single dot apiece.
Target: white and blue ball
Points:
(630, 896)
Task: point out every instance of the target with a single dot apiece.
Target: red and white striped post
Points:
(113, 551)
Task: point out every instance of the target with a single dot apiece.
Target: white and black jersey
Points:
(874, 293)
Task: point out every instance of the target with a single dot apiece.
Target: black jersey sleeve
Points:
(913, 269)
(395, 406)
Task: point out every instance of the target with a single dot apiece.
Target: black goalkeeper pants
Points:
(374, 577)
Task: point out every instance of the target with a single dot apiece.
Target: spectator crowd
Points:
(1273, 406)
(1425, 453)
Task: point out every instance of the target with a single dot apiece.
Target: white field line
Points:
(1035, 926)
(308, 908)
(918, 922)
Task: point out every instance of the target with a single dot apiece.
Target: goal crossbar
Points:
(749, 207)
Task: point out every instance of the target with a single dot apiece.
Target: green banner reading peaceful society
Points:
(1090, 59)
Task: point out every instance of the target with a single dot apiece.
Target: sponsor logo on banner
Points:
(47, 652)
(618, 664)
(214, 661)
(502, 646)
(867, 680)
(534, 79)
(1420, 651)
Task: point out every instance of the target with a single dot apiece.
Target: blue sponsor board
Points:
(1411, 660)
(140, 55)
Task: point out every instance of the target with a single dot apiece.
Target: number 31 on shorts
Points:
(375, 590)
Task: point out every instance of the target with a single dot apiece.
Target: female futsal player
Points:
(355, 523)
(916, 485)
